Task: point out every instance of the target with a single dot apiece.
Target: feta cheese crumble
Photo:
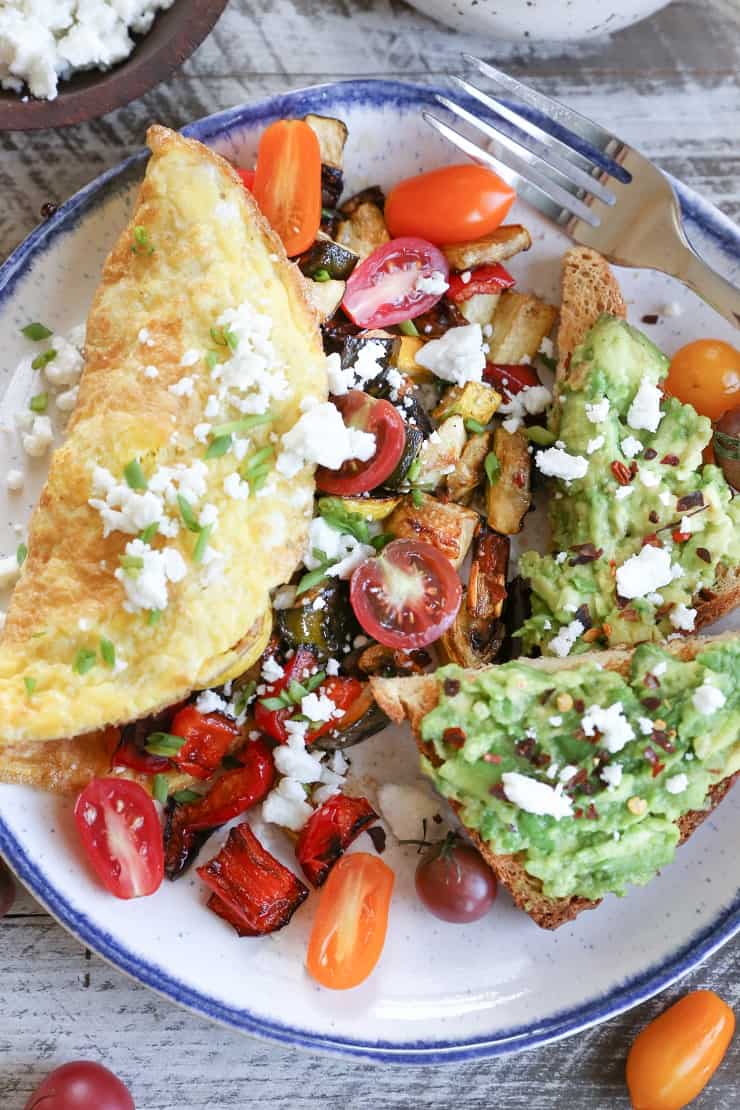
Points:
(644, 412)
(14, 480)
(146, 586)
(320, 437)
(366, 366)
(435, 284)
(531, 400)
(344, 551)
(682, 618)
(615, 729)
(457, 356)
(598, 411)
(631, 447)
(676, 784)
(562, 644)
(645, 572)
(534, 796)
(612, 775)
(557, 463)
(708, 699)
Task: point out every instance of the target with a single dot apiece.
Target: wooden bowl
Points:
(173, 36)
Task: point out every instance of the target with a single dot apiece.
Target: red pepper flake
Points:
(660, 737)
(690, 501)
(526, 748)
(592, 813)
(578, 780)
(451, 687)
(454, 736)
(670, 460)
(578, 813)
(579, 705)
(651, 540)
(621, 473)
(651, 703)
(633, 468)
(652, 757)
(653, 517)
(542, 759)
(650, 453)
(704, 554)
(651, 681)
(520, 478)
(497, 790)
(491, 757)
(679, 536)
(585, 553)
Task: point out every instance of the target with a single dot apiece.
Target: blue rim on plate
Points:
(701, 218)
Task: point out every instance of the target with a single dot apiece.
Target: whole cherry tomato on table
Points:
(287, 182)
(81, 1085)
(706, 374)
(455, 204)
(351, 922)
(676, 1055)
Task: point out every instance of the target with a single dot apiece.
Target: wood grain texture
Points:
(669, 86)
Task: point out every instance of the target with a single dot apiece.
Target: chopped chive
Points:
(265, 454)
(242, 698)
(322, 275)
(550, 362)
(39, 403)
(85, 660)
(236, 427)
(43, 359)
(315, 680)
(413, 471)
(232, 339)
(30, 684)
(492, 468)
(224, 338)
(417, 498)
(182, 797)
(154, 615)
(258, 480)
(202, 543)
(327, 214)
(188, 516)
(539, 435)
(141, 244)
(474, 425)
(36, 332)
(160, 788)
(149, 532)
(163, 743)
(108, 651)
(217, 335)
(381, 541)
(131, 562)
(211, 359)
(408, 327)
(218, 447)
(134, 475)
(21, 553)
(273, 704)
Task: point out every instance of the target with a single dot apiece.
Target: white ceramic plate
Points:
(440, 992)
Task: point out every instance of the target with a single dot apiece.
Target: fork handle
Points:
(710, 286)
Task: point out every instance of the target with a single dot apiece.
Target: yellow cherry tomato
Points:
(674, 1057)
(706, 374)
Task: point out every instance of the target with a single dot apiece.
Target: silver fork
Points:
(601, 191)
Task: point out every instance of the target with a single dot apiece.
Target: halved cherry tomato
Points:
(247, 177)
(207, 736)
(407, 596)
(386, 423)
(676, 1055)
(510, 378)
(485, 279)
(287, 182)
(706, 374)
(454, 204)
(382, 290)
(121, 833)
(351, 922)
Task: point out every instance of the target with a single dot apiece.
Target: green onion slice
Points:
(36, 332)
(108, 651)
(85, 660)
(163, 743)
(134, 475)
(21, 554)
(43, 359)
(202, 543)
(39, 403)
(188, 516)
(160, 788)
(408, 327)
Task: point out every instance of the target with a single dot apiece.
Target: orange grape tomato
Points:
(706, 374)
(351, 921)
(287, 182)
(676, 1055)
(452, 205)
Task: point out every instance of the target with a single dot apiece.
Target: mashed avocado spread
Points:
(583, 771)
(639, 526)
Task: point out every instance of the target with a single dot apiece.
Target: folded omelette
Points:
(152, 550)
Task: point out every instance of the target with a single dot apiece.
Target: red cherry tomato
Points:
(247, 177)
(351, 922)
(382, 290)
(81, 1085)
(7, 890)
(510, 378)
(407, 596)
(121, 833)
(485, 279)
(387, 425)
(676, 1055)
(454, 204)
(207, 736)
(455, 883)
(287, 182)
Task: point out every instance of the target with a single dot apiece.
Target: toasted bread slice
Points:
(413, 698)
(589, 288)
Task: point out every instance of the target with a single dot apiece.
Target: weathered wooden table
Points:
(670, 86)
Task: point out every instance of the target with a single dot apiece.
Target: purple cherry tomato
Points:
(81, 1085)
(455, 883)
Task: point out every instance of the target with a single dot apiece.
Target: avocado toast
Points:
(575, 777)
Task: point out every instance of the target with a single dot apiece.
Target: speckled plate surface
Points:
(441, 992)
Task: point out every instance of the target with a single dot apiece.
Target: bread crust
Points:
(413, 698)
(589, 289)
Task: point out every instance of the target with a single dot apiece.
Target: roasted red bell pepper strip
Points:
(254, 892)
(344, 692)
(510, 378)
(230, 796)
(208, 737)
(329, 831)
(341, 690)
(485, 279)
(129, 754)
(247, 177)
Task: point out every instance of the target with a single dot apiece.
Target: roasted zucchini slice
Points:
(332, 135)
(372, 195)
(439, 319)
(504, 243)
(320, 619)
(406, 360)
(412, 447)
(332, 258)
(469, 472)
(369, 508)
(448, 527)
(354, 344)
(508, 497)
(473, 401)
(364, 718)
(364, 230)
(477, 633)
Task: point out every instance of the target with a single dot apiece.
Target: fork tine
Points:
(607, 145)
(524, 163)
(544, 197)
(573, 166)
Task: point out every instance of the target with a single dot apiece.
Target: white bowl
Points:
(557, 20)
